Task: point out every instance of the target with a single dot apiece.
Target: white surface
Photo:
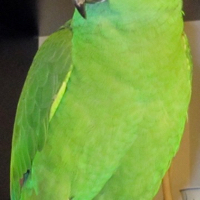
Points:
(191, 194)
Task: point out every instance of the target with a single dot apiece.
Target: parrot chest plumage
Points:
(125, 85)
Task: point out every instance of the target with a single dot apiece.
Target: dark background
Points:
(21, 21)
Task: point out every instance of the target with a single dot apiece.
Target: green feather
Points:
(109, 128)
(43, 83)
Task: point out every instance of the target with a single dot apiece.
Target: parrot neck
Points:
(114, 33)
(130, 16)
(99, 13)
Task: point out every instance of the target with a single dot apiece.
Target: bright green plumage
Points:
(104, 105)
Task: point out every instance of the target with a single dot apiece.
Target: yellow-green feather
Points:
(60, 94)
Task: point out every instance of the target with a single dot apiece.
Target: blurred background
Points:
(23, 23)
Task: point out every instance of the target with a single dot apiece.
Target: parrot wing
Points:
(40, 97)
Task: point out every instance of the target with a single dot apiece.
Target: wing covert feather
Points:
(46, 75)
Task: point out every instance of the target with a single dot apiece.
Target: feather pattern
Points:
(44, 79)
(117, 117)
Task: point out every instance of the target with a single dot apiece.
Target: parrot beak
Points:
(80, 6)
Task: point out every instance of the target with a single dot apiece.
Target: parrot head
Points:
(80, 5)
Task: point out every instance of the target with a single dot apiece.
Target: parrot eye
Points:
(80, 5)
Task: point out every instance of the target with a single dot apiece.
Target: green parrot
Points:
(104, 105)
